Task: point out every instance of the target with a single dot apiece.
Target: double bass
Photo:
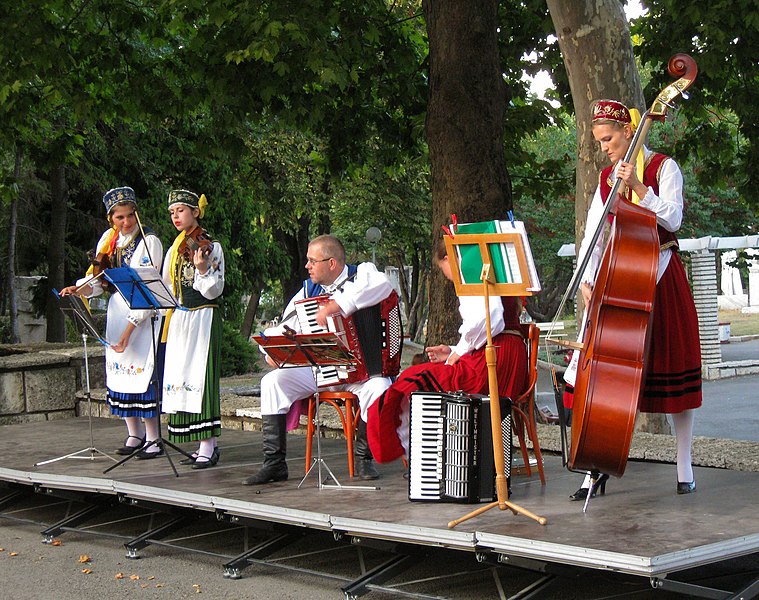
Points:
(612, 363)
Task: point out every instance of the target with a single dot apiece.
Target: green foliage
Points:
(238, 356)
(297, 118)
(544, 200)
(723, 38)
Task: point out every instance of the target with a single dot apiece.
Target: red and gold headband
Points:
(611, 110)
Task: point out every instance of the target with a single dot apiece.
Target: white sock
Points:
(683, 422)
(134, 429)
(586, 482)
(151, 429)
(205, 451)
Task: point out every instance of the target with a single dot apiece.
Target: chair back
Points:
(531, 334)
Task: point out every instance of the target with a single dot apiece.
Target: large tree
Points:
(465, 112)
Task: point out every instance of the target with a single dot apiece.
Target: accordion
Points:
(373, 335)
(451, 448)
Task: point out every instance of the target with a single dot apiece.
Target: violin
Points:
(100, 263)
(613, 360)
(197, 239)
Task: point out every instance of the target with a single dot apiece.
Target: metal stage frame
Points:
(640, 528)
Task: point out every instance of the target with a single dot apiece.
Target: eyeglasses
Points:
(313, 261)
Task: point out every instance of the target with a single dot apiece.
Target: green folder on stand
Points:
(470, 258)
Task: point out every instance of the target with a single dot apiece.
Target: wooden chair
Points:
(523, 406)
(346, 405)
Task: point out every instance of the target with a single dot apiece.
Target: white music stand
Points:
(312, 350)
(74, 307)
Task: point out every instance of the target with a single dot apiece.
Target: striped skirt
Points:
(189, 427)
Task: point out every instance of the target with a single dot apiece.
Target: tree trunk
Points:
(597, 49)
(465, 112)
(595, 43)
(248, 320)
(296, 245)
(11, 283)
(56, 252)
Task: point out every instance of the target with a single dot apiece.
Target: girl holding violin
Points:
(129, 363)
(673, 378)
(194, 270)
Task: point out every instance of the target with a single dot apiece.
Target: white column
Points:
(704, 281)
(753, 286)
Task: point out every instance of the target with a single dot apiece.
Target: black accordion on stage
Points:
(451, 447)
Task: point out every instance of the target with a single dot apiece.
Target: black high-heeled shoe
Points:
(599, 487)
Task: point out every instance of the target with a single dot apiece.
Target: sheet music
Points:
(141, 287)
(504, 255)
(305, 349)
(77, 309)
(518, 226)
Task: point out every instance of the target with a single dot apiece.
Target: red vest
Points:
(650, 179)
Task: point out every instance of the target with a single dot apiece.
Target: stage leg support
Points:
(377, 576)
(13, 496)
(233, 568)
(73, 520)
(135, 545)
(697, 591)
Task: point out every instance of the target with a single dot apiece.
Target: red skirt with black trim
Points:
(468, 375)
(673, 380)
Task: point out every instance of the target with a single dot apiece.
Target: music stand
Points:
(311, 350)
(143, 288)
(515, 280)
(75, 308)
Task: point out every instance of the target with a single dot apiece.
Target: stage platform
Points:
(640, 527)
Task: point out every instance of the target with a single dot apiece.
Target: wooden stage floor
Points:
(640, 527)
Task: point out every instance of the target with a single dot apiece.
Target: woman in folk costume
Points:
(452, 368)
(673, 379)
(194, 270)
(129, 363)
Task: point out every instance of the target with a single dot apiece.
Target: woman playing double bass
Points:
(673, 379)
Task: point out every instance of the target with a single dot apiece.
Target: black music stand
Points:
(514, 281)
(75, 308)
(143, 288)
(311, 350)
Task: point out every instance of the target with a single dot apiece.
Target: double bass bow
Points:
(612, 362)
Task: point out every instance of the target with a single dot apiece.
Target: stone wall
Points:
(39, 382)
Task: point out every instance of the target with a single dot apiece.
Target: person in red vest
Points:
(673, 379)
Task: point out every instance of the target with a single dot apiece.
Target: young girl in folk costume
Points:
(129, 362)
(194, 269)
(458, 368)
(673, 379)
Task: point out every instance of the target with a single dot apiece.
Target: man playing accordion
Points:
(350, 289)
